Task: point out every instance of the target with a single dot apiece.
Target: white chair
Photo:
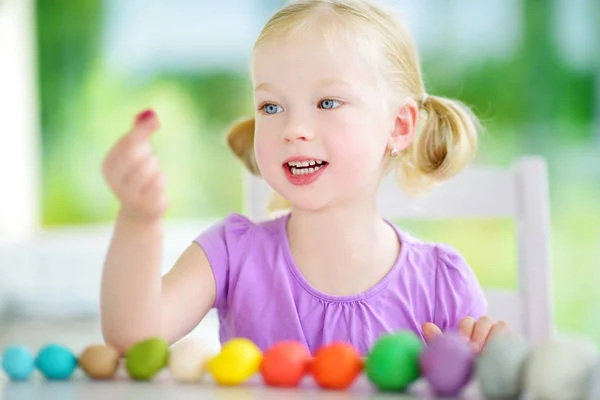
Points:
(519, 192)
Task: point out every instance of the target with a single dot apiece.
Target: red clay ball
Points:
(336, 366)
(285, 364)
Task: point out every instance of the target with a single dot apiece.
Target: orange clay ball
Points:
(285, 364)
(336, 366)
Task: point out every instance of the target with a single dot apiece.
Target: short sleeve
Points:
(222, 244)
(458, 292)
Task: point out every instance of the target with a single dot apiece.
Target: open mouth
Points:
(305, 167)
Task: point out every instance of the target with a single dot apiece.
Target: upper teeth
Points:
(304, 163)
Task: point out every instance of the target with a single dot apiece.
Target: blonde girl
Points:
(339, 103)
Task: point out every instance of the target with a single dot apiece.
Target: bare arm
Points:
(188, 293)
(135, 301)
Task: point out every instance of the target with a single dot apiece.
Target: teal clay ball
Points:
(18, 363)
(56, 362)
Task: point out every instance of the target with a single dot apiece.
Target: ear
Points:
(405, 124)
(240, 139)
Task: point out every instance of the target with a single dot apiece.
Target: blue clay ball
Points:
(56, 362)
(18, 363)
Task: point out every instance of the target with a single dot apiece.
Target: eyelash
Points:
(340, 102)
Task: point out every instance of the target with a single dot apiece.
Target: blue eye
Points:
(328, 104)
(271, 108)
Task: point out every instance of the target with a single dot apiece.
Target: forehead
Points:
(310, 56)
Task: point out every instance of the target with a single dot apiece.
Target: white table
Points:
(163, 387)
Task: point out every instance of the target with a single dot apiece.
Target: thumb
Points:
(145, 123)
(431, 331)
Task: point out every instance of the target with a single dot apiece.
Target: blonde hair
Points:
(447, 141)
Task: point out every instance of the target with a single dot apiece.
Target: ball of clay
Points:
(238, 360)
(188, 360)
(285, 364)
(447, 364)
(145, 359)
(99, 362)
(499, 368)
(594, 382)
(393, 362)
(560, 369)
(336, 366)
(18, 363)
(56, 362)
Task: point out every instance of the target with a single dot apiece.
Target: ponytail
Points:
(447, 144)
(240, 139)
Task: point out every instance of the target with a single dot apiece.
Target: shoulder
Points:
(434, 257)
(454, 270)
(454, 284)
(236, 232)
(233, 242)
(438, 258)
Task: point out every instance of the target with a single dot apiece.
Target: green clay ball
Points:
(147, 358)
(393, 362)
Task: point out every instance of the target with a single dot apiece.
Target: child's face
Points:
(324, 107)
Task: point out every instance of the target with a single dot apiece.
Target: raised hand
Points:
(132, 171)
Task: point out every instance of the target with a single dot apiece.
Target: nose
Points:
(297, 131)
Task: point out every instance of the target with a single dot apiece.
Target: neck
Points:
(342, 249)
(342, 225)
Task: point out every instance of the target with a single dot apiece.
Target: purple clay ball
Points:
(448, 364)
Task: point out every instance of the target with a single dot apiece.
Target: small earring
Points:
(394, 152)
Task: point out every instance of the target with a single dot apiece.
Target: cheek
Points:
(356, 142)
(265, 145)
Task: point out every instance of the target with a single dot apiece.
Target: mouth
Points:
(305, 167)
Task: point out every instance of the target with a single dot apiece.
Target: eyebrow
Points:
(265, 86)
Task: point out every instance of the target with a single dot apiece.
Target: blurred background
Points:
(74, 74)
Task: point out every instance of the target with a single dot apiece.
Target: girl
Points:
(338, 95)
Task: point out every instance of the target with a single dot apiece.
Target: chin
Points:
(299, 198)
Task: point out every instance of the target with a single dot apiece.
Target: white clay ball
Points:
(188, 360)
(500, 366)
(560, 370)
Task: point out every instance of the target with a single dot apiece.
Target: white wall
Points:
(19, 212)
(57, 273)
(19, 133)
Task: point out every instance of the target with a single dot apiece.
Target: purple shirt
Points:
(263, 296)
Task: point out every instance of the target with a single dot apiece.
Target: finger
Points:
(129, 161)
(431, 331)
(499, 328)
(465, 327)
(141, 175)
(145, 123)
(154, 194)
(155, 184)
(480, 332)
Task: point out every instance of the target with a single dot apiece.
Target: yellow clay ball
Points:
(238, 361)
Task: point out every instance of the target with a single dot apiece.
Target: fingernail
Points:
(144, 115)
